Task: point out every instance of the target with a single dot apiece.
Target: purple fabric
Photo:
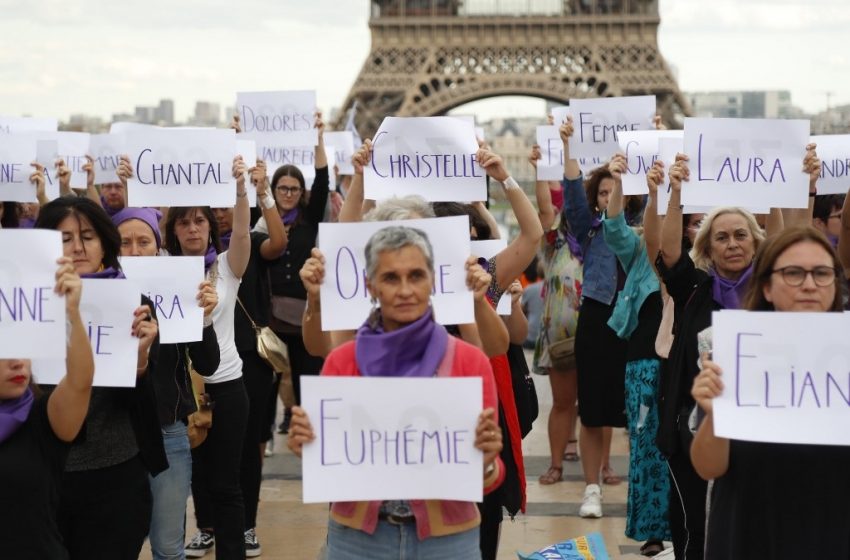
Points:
(106, 208)
(290, 216)
(575, 247)
(729, 293)
(150, 216)
(26, 223)
(225, 240)
(13, 414)
(414, 350)
(105, 273)
(209, 257)
(833, 239)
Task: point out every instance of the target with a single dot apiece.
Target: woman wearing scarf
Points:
(401, 338)
(216, 462)
(600, 353)
(301, 214)
(140, 237)
(713, 276)
(105, 502)
(36, 431)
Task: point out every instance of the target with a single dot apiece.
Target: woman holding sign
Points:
(774, 500)
(402, 332)
(105, 502)
(216, 462)
(36, 431)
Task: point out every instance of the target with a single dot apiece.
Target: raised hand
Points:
(707, 384)
(488, 436)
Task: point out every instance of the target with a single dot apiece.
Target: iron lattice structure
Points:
(429, 56)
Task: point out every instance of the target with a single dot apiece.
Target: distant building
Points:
(164, 113)
(144, 115)
(743, 104)
(84, 123)
(835, 120)
(206, 114)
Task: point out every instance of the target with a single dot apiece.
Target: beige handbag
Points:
(270, 348)
(563, 354)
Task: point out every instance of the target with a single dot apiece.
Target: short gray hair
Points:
(400, 208)
(394, 238)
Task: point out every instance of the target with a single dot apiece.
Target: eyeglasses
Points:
(794, 276)
(288, 191)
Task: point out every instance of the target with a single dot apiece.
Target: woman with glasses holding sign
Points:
(36, 431)
(401, 339)
(105, 501)
(774, 500)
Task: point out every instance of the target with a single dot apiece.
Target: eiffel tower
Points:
(429, 56)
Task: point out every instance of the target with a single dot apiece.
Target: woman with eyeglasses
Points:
(301, 213)
(775, 500)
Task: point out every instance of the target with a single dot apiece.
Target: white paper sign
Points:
(278, 118)
(17, 152)
(248, 150)
(345, 299)
(385, 438)
(121, 127)
(106, 149)
(106, 308)
(47, 152)
(834, 153)
(786, 377)
(181, 167)
(12, 125)
(641, 150)
(550, 167)
(747, 162)
(342, 144)
(668, 147)
(73, 147)
(488, 249)
(433, 157)
(172, 285)
(559, 115)
(597, 122)
(32, 315)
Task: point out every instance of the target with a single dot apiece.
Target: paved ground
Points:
(288, 529)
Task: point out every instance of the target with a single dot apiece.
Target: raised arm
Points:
(317, 342)
(38, 181)
(794, 217)
(321, 158)
(485, 214)
(63, 175)
(844, 236)
(68, 405)
(512, 261)
(91, 190)
(651, 220)
(617, 166)
(492, 331)
(271, 248)
(571, 167)
(671, 228)
(352, 207)
(516, 322)
(545, 208)
(239, 252)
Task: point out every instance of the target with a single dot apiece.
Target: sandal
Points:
(553, 475)
(609, 477)
(571, 455)
(652, 547)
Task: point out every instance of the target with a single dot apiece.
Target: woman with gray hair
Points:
(400, 338)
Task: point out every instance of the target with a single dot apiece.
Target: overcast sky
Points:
(98, 57)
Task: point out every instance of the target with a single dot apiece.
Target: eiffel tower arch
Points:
(429, 56)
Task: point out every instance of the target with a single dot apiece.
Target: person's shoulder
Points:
(341, 360)
(466, 353)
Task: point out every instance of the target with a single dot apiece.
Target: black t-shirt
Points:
(641, 343)
(31, 465)
(781, 501)
(254, 295)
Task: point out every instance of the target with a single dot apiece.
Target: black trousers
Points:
(687, 508)
(491, 525)
(258, 378)
(216, 466)
(106, 513)
(302, 362)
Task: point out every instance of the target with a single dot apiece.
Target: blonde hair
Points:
(701, 251)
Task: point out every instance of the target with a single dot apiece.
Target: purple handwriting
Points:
(286, 122)
(20, 305)
(177, 173)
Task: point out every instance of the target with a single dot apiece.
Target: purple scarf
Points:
(414, 350)
(209, 257)
(13, 414)
(575, 247)
(105, 273)
(290, 216)
(729, 293)
(109, 211)
(225, 240)
(29, 223)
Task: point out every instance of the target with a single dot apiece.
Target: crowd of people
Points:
(613, 322)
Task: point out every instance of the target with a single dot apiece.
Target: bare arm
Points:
(488, 217)
(671, 228)
(68, 405)
(545, 208)
(352, 207)
(239, 252)
(317, 342)
(271, 248)
(91, 190)
(321, 159)
(38, 180)
(571, 168)
(794, 217)
(844, 236)
(709, 453)
(617, 166)
(651, 220)
(511, 261)
(492, 331)
(516, 322)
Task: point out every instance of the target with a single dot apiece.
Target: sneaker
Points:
(252, 545)
(591, 505)
(269, 451)
(200, 544)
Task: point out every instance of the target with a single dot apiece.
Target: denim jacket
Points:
(641, 280)
(600, 263)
